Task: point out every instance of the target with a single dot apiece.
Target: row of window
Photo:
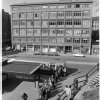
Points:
(51, 32)
(50, 14)
(44, 23)
(52, 40)
(54, 6)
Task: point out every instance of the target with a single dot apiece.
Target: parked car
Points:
(78, 55)
(39, 53)
(52, 54)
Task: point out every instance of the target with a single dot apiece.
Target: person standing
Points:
(68, 92)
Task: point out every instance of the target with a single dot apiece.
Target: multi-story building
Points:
(58, 26)
(6, 28)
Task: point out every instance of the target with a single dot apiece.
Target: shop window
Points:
(69, 13)
(60, 22)
(29, 8)
(37, 7)
(52, 15)
(76, 40)
(30, 23)
(15, 23)
(68, 32)
(23, 39)
(61, 6)
(36, 39)
(52, 32)
(29, 32)
(45, 23)
(77, 13)
(29, 15)
(30, 40)
(15, 8)
(37, 32)
(44, 7)
(16, 32)
(86, 13)
(86, 32)
(60, 32)
(52, 6)
(68, 22)
(22, 8)
(22, 32)
(68, 40)
(68, 6)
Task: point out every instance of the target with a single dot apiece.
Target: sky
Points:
(6, 5)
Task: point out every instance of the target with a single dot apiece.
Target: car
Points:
(8, 49)
(39, 53)
(52, 54)
(78, 55)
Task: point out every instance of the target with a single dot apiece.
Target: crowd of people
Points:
(50, 84)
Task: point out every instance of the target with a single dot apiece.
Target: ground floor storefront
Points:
(53, 48)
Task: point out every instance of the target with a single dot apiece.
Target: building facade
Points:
(61, 26)
(6, 29)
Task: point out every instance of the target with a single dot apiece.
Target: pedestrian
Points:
(41, 93)
(24, 96)
(68, 92)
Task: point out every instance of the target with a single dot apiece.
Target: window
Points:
(86, 5)
(22, 8)
(22, 32)
(37, 15)
(44, 32)
(69, 13)
(60, 22)
(69, 40)
(68, 6)
(77, 22)
(45, 23)
(29, 15)
(16, 40)
(23, 40)
(29, 32)
(86, 23)
(77, 13)
(52, 32)
(52, 15)
(77, 32)
(15, 8)
(29, 8)
(44, 15)
(37, 7)
(60, 32)
(22, 15)
(60, 14)
(44, 7)
(15, 23)
(85, 40)
(60, 40)
(22, 23)
(14, 15)
(61, 6)
(52, 6)
(86, 32)
(52, 22)
(68, 22)
(37, 32)
(76, 40)
(37, 23)
(52, 40)
(86, 13)
(29, 40)
(16, 32)
(36, 39)
(77, 5)
(68, 32)
(45, 39)
(30, 23)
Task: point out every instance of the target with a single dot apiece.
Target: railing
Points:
(82, 80)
